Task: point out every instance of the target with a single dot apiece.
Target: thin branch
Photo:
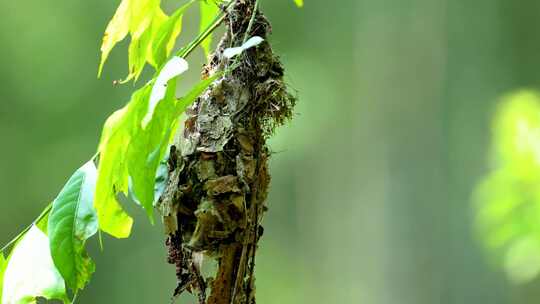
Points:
(184, 52)
(20, 235)
(251, 20)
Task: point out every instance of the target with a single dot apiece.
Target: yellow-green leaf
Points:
(116, 31)
(111, 178)
(140, 48)
(112, 171)
(165, 37)
(137, 53)
(159, 19)
(209, 10)
(142, 12)
(299, 3)
(508, 199)
(134, 17)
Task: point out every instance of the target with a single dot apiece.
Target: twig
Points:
(184, 52)
(251, 20)
(20, 235)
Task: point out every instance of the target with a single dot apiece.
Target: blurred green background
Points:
(372, 181)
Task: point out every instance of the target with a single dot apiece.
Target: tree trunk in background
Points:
(218, 168)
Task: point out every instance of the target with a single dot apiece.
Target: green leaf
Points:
(148, 147)
(30, 272)
(508, 199)
(134, 140)
(112, 170)
(71, 222)
(171, 70)
(3, 265)
(299, 3)
(209, 10)
(150, 137)
(166, 35)
(162, 175)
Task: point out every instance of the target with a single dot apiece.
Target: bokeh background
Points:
(372, 181)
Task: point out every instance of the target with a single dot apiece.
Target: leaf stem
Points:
(184, 52)
(21, 234)
(251, 21)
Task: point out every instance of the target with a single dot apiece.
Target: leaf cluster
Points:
(508, 199)
(49, 259)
